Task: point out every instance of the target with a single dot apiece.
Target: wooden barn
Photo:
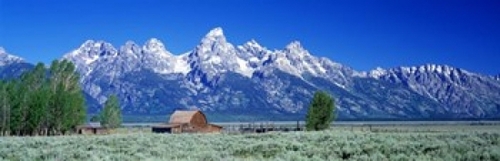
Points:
(187, 122)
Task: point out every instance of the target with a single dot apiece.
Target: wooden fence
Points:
(262, 127)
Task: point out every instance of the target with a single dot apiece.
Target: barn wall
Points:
(177, 129)
(198, 121)
(212, 128)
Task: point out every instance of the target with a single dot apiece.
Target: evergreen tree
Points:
(110, 116)
(321, 112)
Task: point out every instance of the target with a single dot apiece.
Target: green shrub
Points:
(321, 145)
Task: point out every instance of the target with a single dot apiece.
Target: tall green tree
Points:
(21, 107)
(37, 95)
(321, 112)
(67, 104)
(14, 99)
(5, 107)
(111, 116)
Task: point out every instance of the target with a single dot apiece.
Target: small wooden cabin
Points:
(92, 129)
(187, 122)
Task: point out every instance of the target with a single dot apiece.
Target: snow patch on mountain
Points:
(377, 72)
(6, 58)
(90, 51)
(214, 55)
(157, 58)
(294, 59)
(445, 70)
(181, 64)
(215, 33)
(154, 45)
(152, 55)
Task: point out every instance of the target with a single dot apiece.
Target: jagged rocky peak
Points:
(253, 51)
(428, 68)
(295, 49)
(377, 72)
(129, 45)
(154, 45)
(253, 44)
(215, 35)
(96, 45)
(433, 68)
(294, 59)
(214, 56)
(130, 48)
(91, 50)
(216, 32)
(294, 45)
(214, 44)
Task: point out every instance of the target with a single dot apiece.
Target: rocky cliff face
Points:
(463, 93)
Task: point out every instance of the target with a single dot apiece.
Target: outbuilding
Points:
(92, 128)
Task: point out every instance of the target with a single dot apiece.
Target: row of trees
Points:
(42, 101)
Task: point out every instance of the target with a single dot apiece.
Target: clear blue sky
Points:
(361, 34)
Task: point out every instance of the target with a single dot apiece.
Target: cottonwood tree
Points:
(67, 104)
(321, 112)
(111, 116)
(37, 96)
(5, 107)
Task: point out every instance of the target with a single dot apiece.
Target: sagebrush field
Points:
(326, 145)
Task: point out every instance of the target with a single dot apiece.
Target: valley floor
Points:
(342, 143)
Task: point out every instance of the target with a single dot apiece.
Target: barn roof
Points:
(182, 117)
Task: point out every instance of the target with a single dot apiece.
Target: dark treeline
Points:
(42, 101)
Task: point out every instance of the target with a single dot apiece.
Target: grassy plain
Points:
(431, 142)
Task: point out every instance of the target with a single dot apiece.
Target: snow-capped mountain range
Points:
(250, 80)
